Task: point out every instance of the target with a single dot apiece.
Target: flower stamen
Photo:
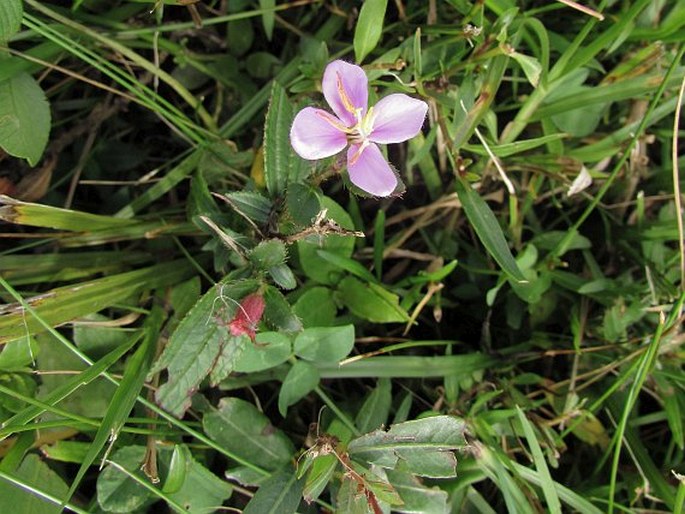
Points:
(347, 103)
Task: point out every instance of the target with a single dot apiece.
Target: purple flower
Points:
(316, 134)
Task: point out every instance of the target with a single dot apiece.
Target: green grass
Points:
(484, 342)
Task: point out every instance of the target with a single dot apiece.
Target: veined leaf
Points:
(325, 344)
(302, 378)
(197, 344)
(488, 230)
(277, 150)
(10, 19)
(369, 27)
(280, 494)
(425, 445)
(24, 116)
(241, 428)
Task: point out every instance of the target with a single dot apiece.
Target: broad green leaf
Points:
(280, 494)
(277, 150)
(66, 451)
(117, 492)
(303, 202)
(351, 500)
(376, 408)
(270, 350)
(253, 206)
(10, 19)
(36, 473)
(369, 27)
(316, 307)
(24, 116)
(301, 379)
(530, 66)
(239, 427)
(268, 254)
(197, 342)
(425, 446)
(370, 301)
(96, 341)
(201, 491)
(283, 276)
(230, 350)
(325, 344)
(348, 264)
(488, 230)
(416, 497)
(278, 312)
(312, 265)
(18, 354)
(178, 468)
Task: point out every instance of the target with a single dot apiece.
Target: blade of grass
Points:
(546, 481)
(41, 494)
(124, 397)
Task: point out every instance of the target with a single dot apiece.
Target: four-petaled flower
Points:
(316, 134)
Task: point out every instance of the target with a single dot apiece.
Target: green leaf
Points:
(277, 150)
(530, 66)
(11, 12)
(125, 395)
(196, 344)
(370, 301)
(325, 344)
(348, 264)
(376, 408)
(240, 428)
(268, 254)
(303, 202)
(320, 466)
(116, 491)
(417, 497)
(36, 473)
(178, 468)
(272, 349)
(369, 27)
(278, 312)
(488, 230)
(316, 307)
(24, 116)
(65, 387)
(280, 494)
(313, 267)
(268, 16)
(18, 354)
(301, 379)
(425, 446)
(283, 276)
(251, 205)
(553, 504)
(200, 491)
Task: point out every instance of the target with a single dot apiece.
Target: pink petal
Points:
(397, 118)
(314, 134)
(345, 88)
(370, 171)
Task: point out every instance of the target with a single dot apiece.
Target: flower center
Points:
(360, 132)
